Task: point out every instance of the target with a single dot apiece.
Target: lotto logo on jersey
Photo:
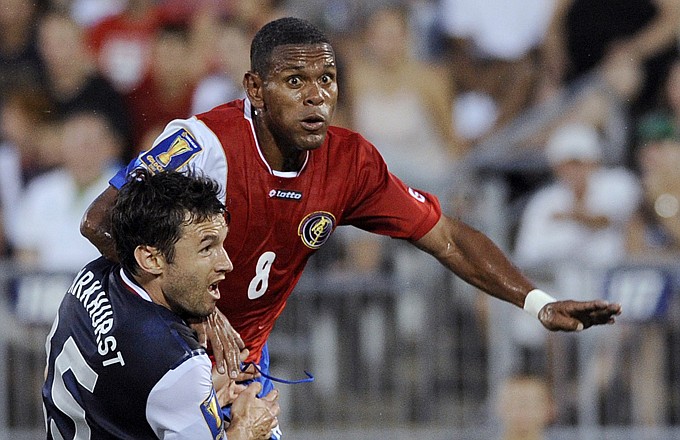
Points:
(286, 195)
(316, 228)
(212, 412)
(172, 152)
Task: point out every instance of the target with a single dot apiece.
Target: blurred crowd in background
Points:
(575, 103)
(87, 84)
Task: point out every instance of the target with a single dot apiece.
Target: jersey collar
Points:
(134, 287)
(285, 174)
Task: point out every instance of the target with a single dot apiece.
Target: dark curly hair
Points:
(287, 30)
(153, 209)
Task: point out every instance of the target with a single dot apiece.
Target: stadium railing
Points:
(393, 354)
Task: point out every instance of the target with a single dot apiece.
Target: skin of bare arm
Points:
(473, 257)
(476, 259)
(96, 224)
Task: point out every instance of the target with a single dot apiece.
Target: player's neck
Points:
(280, 157)
(283, 160)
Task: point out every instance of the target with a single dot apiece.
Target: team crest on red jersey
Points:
(316, 228)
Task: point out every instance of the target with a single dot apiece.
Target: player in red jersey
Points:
(291, 179)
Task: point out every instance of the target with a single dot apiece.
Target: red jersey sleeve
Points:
(383, 204)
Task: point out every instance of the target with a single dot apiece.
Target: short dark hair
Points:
(287, 30)
(152, 210)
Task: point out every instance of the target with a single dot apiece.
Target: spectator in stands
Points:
(166, 91)
(74, 82)
(27, 132)
(571, 226)
(398, 113)
(581, 216)
(229, 59)
(586, 34)
(491, 54)
(655, 229)
(20, 63)
(49, 211)
(122, 43)
(525, 407)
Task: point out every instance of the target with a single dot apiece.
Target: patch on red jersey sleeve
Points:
(172, 152)
(213, 415)
(316, 228)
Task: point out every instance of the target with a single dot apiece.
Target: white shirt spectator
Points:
(556, 226)
(499, 29)
(48, 220)
(10, 187)
(614, 193)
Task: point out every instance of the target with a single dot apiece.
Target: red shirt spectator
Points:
(122, 43)
(166, 91)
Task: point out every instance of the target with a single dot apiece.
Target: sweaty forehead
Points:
(295, 56)
(209, 226)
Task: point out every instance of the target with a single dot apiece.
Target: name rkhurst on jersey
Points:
(88, 291)
(289, 195)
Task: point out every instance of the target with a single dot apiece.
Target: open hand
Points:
(225, 343)
(254, 418)
(577, 315)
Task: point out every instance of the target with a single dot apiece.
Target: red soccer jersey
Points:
(278, 220)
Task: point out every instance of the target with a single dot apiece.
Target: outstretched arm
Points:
(477, 260)
(96, 223)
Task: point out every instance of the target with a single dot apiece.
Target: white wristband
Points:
(535, 300)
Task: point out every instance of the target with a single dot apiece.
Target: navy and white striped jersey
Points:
(120, 366)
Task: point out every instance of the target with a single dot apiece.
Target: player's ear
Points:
(149, 259)
(253, 85)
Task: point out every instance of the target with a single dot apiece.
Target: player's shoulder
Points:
(149, 331)
(345, 141)
(96, 271)
(221, 113)
(150, 325)
(351, 148)
(101, 265)
(344, 134)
